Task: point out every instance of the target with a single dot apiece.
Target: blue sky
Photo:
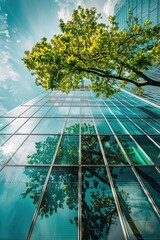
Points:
(22, 24)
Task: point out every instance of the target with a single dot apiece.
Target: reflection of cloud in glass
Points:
(36, 150)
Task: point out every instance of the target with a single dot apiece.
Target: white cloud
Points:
(64, 13)
(108, 7)
(3, 110)
(6, 68)
(66, 7)
(5, 33)
(14, 30)
(18, 41)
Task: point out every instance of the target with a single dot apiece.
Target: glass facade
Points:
(142, 9)
(79, 167)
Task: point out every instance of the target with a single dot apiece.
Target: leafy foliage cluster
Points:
(87, 48)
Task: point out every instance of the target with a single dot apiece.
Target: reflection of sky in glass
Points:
(139, 214)
(36, 150)
(5, 121)
(10, 147)
(62, 192)
(50, 126)
(14, 209)
(14, 126)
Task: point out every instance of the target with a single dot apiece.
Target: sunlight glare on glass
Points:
(7, 149)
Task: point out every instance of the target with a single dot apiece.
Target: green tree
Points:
(89, 49)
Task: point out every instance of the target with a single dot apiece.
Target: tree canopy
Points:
(108, 56)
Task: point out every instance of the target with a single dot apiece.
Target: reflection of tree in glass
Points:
(44, 151)
(62, 189)
(74, 129)
(87, 128)
(91, 152)
(98, 208)
(112, 150)
(68, 152)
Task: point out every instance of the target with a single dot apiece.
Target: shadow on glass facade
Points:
(79, 167)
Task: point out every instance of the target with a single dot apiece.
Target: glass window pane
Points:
(29, 126)
(58, 112)
(30, 112)
(20, 191)
(74, 112)
(156, 139)
(58, 214)
(5, 121)
(154, 124)
(36, 150)
(149, 147)
(36, 99)
(3, 138)
(145, 127)
(99, 215)
(145, 5)
(151, 179)
(17, 111)
(102, 126)
(41, 102)
(149, 111)
(41, 112)
(141, 220)
(85, 112)
(96, 112)
(50, 126)
(116, 126)
(68, 152)
(117, 112)
(87, 126)
(91, 152)
(134, 153)
(72, 126)
(106, 112)
(10, 147)
(138, 113)
(112, 151)
(132, 129)
(13, 126)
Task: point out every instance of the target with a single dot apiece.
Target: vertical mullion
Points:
(79, 183)
(80, 180)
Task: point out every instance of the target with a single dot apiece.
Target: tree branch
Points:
(115, 77)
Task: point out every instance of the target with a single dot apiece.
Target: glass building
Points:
(79, 167)
(142, 9)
